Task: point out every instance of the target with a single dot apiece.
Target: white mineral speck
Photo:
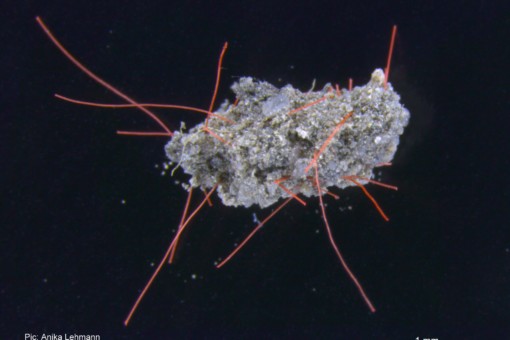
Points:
(302, 133)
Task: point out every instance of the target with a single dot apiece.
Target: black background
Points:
(73, 257)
